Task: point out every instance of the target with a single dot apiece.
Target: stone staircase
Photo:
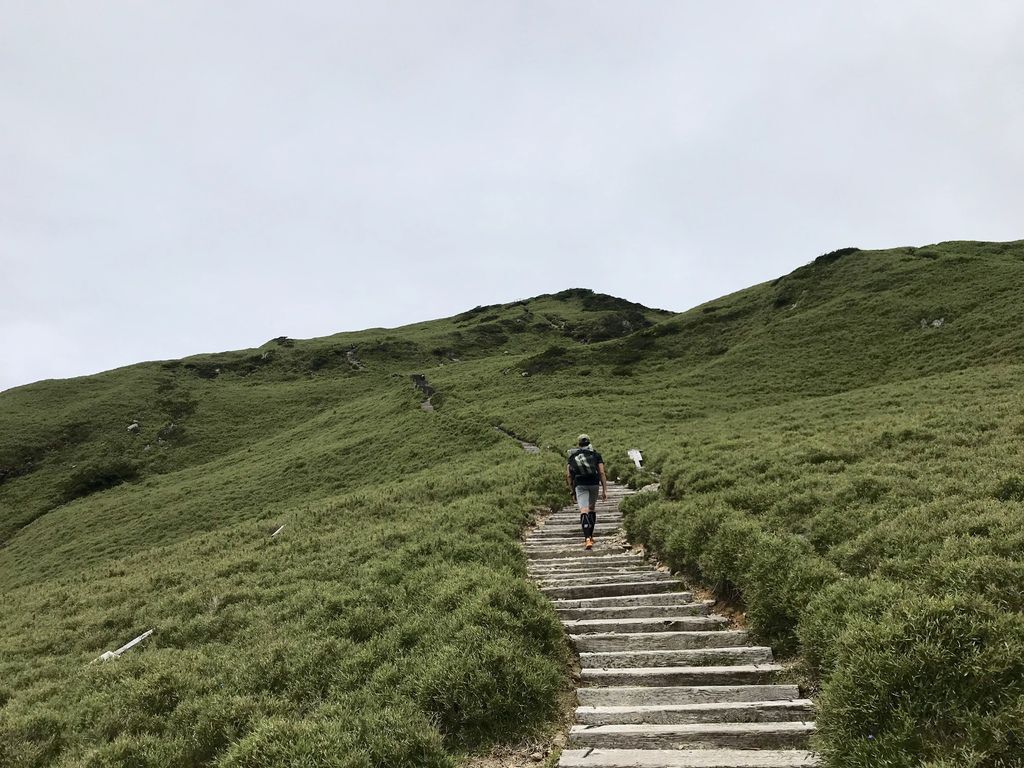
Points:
(664, 683)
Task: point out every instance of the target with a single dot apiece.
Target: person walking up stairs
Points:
(583, 472)
(664, 683)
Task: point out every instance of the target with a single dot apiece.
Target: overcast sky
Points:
(186, 176)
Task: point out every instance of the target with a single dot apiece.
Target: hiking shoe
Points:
(588, 544)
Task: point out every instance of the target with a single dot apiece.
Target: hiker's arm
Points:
(568, 481)
(604, 482)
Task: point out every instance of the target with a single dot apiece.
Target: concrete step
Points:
(782, 735)
(740, 674)
(658, 641)
(630, 626)
(725, 712)
(686, 758)
(607, 578)
(604, 517)
(636, 611)
(589, 559)
(573, 543)
(600, 571)
(584, 567)
(637, 696)
(604, 520)
(552, 551)
(661, 598)
(569, 535)
(611, 589)
(684, 657)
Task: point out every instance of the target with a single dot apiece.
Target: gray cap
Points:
(583, 440)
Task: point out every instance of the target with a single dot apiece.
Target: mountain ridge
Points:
(815, 436)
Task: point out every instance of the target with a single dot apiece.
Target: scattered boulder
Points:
(134, 428)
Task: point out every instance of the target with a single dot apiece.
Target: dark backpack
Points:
(583, 467)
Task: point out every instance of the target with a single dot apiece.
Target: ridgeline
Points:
(841, 456)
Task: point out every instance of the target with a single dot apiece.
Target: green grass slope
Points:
(390, 623)
(840, 450)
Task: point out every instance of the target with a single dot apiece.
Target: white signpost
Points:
(636, 456)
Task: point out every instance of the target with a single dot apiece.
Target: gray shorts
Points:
(586, 496)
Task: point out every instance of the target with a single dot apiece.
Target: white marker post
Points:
(636, 456)
(126, 647)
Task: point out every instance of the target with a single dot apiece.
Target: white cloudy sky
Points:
(189, 176)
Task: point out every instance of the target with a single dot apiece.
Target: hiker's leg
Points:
(583, 497)
(587, 514)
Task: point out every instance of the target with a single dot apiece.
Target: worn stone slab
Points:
(582, 557)
(717, 712)
(585, 568)
(684, 657)
(746, 674)
(548, 552)
(658, 641)
(635, 611)
(612, 589)
(686, 758)
(683, 694)
(783, 735)
(583, 573)
(659, 598)
(608, 578)
(667, 624)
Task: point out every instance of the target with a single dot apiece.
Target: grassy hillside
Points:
(840, 449)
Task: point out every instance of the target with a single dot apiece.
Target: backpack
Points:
(583, 467)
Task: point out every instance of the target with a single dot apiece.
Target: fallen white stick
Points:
(126, 647)
(277, 532)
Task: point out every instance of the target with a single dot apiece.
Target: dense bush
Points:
(99, 477)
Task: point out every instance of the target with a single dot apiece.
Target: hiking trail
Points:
(663, 682)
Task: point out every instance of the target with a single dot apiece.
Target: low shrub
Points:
(98, 477)
(936, 679)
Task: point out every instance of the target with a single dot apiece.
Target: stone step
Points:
(781, 735)
(604, 520)
(607, 578)
(684, 657)
(667, 624)
(606, 515)
(572, 543)
(740, 674)
(611, 589)
(584, 567)
(569, 535)
(686, 758)
(600, 571)
(658, 641)
(636, 611)
(724, 712)
(553, 551)
(661, 598)
(683, 694)
(589, 559)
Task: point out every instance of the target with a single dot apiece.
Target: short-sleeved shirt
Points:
(583, 466)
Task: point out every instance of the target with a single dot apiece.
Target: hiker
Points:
(583, 473)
